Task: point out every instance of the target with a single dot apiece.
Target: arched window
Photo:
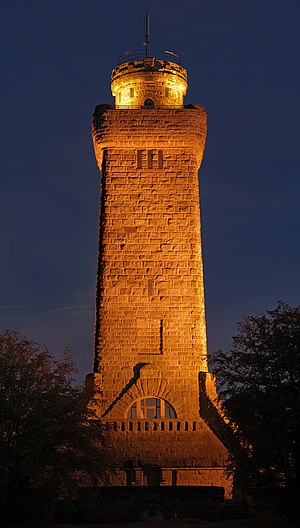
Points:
(151, 408)
(149, 103)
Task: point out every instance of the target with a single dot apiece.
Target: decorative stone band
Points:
(135, 426)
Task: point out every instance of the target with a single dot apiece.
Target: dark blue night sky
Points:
(242, 58)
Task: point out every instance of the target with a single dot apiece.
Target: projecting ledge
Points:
(102, 107)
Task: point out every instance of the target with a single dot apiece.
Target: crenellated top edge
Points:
(149, 64)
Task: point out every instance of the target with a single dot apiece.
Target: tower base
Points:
(167, 452)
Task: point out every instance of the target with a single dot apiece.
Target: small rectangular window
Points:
(130, 477)
(131, 92)
(167, 91)
(150, 159)
(160, 159)
(139, 159)
(174, 478)
(150, 288)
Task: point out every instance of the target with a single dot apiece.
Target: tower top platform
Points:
(148, 82)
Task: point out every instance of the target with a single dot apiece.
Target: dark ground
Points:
(265, 520)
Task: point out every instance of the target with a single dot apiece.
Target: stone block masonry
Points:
(150, 283)
(150, 331)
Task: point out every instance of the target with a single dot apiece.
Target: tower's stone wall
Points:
(150, 331)
(150, 285)
(197, 456)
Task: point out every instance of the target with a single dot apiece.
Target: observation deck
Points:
(149, 82)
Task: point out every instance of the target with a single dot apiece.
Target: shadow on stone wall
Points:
(211, 412)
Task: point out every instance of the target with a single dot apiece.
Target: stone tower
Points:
(150, 363)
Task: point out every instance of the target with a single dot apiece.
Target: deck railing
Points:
(140, 54)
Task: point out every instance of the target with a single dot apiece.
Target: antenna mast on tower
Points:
(147, 33)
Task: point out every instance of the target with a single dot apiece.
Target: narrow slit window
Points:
(139, 159)
(161, 336)
(160, 159)
(174, 477)
(131, 92)
(150, 288)
(150, 159)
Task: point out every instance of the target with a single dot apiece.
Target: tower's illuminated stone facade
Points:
(150, 364)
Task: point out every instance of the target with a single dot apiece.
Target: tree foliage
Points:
(259, 385)
(46, 443)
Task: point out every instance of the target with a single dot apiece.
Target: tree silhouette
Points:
(259, 385)
(48, 442)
